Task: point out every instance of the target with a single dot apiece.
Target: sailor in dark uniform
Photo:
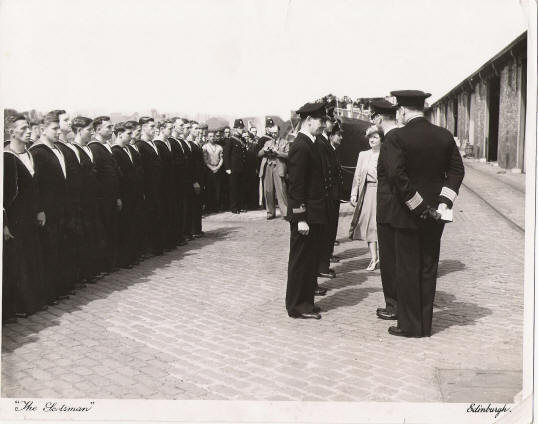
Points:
(235, 158)
(140, 208)
(23, 284)
(130, 194)
(109, 187)
(188, 186)
(197, 164)
(153, 171)
(168, 185)
(384, 114)
(72, 240)
(51, 180)
(425, 170)
(93, 233)
(179, 159)
(307, 213)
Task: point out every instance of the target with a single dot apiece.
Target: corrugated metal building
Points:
(486, 111)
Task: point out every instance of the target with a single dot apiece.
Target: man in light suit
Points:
(273, 168)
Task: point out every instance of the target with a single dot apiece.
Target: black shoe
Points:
(329, 274)
(269, 216)
(316, 309)
(182, 243)
(235, 211)
(384, 314)
(320, 292)
(306, 315)
(334, 259)
(21, 315)
(53, 302)
(243, 210)
(63, 297)
(337, 243)
(397, 331)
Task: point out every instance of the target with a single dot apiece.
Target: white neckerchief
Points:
(128, 152)
(88, 151)
(188, 144)
(26, 159)
(61, 159)
(74, 150)
(179, 144)
(152, 144)
(105, 144)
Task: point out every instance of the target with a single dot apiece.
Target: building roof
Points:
(491, 66)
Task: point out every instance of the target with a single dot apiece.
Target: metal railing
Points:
(353, 112)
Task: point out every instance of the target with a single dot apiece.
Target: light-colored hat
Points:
(374, 129)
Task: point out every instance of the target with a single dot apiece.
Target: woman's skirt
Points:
(366, 228)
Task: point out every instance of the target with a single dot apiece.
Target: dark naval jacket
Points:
(419, 165)
(307, 193)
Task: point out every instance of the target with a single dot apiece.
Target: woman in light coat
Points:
(364, 196)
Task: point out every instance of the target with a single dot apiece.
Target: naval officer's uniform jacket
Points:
(419, 166)
(307, 201)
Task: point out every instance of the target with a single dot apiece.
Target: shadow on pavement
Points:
(26, 331)
(455, 313)
(348, 297)
(352, 253)
(446, 266)
(350, 266)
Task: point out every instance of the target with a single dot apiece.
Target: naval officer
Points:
(424, 170)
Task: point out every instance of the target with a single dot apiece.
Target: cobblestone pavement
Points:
(505, 192)
(207, 321)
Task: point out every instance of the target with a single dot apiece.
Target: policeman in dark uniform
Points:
(424, 170)
(235, 158)
(385, 117)
(307, 213)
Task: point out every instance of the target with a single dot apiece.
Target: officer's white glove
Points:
(41, 219)
(7, 234)
(229, 171)
(353, 201)
(303, 228)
